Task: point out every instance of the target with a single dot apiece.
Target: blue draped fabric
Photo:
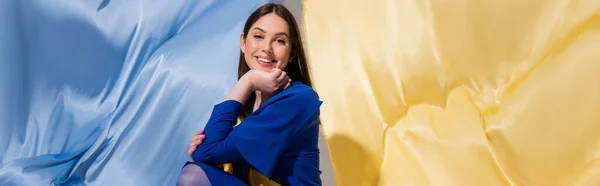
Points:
(110, 92)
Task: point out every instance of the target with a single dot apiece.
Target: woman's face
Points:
(267, 44)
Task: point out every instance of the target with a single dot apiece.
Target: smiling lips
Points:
(265, 61)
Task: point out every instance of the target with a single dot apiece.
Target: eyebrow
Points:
(280, 33)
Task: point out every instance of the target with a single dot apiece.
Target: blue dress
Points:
(279, 140)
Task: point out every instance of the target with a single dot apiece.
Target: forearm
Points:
(241, 91)
(216, 148)
(220, 152)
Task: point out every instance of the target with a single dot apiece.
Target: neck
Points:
(260, 99)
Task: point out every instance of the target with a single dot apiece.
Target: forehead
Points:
(271, 23)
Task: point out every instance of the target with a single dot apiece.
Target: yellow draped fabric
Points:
(461, 92)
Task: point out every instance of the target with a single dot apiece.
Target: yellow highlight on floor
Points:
(458, 92)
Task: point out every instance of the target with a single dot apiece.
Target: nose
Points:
(267, 47)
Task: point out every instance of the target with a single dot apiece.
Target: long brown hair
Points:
(297, 69)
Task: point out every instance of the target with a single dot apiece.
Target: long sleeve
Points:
(261, 137)
(217, 148)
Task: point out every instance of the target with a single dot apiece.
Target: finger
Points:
(198, 136)
(287, 81)
(190, 152)
(200, 131)
(200, 140)
(282, 77)
(195, 138)
(288, 84)
(276, 72)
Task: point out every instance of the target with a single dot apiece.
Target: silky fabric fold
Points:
(463, 92)
(109, 92)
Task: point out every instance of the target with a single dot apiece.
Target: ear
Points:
(242, 42)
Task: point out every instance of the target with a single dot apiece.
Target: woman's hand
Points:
(269, 82)
(196, 140)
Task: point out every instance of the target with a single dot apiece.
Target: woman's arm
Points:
(224, 115)
(216, 147)
(242, 90)
(266, 82)
(261, 137)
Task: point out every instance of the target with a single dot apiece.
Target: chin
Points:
(265, 69)
(261, 68)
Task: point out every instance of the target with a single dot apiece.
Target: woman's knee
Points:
(193, 174)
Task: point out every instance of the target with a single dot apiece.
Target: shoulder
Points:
(301, 90)
(297, 96)
(298, 92)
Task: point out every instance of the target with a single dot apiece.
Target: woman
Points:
(278, 134)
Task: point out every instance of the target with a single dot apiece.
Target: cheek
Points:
(249, 50)
(283, 53)
(247, 55)
(249, 59)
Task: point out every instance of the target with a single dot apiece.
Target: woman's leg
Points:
(193, 174)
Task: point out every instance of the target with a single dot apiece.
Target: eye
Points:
(258, 36)
(281, 41)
